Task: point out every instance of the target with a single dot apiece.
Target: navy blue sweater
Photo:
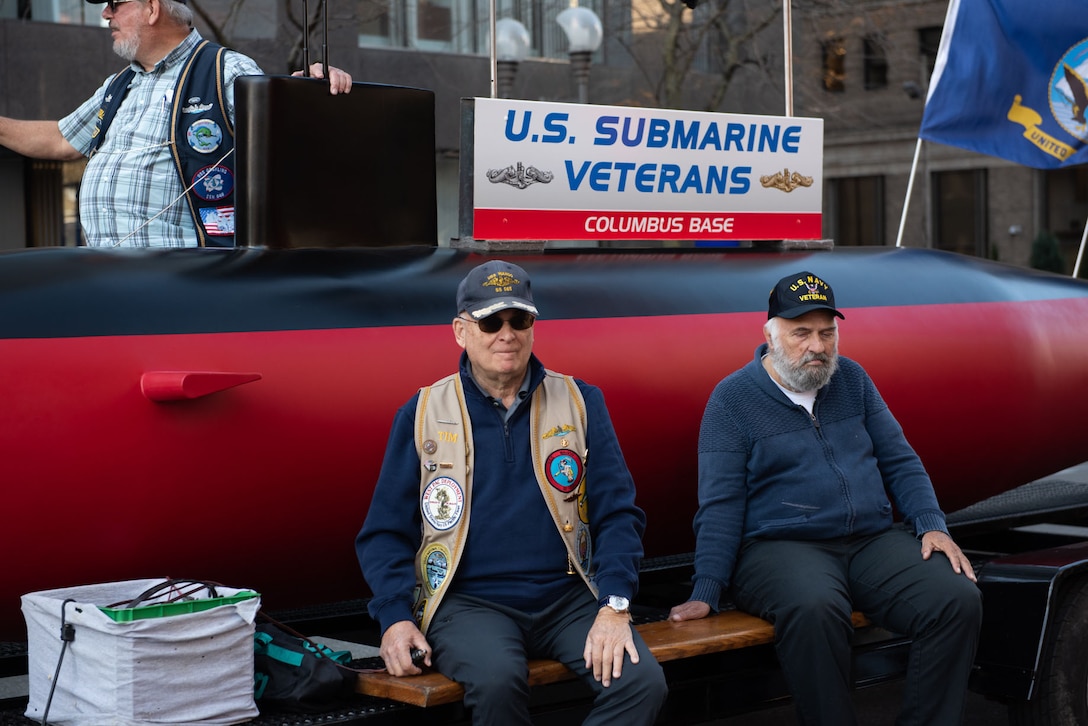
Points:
(514, 554)
(768, 470)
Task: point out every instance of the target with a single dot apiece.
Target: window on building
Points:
(856, 210)
(876, 63)
(437, 25)
(433, 21)
(929, 41)
(462, 26)
(834, 59)
(959, 206)
(70, 12)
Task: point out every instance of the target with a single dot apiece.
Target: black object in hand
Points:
(418, 654)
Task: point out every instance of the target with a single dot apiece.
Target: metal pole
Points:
(910, 186)
(787, 41)
(493, 52)
(1080, 253)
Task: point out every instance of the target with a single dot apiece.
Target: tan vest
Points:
(444, 444)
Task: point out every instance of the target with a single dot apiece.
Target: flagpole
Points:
(492, 51)
(910, 187)
(787, 41)
(1080, 253)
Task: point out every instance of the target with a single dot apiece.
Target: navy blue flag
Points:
(1011, 80)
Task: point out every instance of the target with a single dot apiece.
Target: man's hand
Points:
(606, 643)
(690, 610)
(339, 81)
(937, 541)
(397, 643)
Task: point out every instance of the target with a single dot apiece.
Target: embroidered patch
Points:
(583, 503)
(217, 221)
(564, 470)
(442, 503)
(436, 565)
(213, 182)
(204, 135)
(559, 431)
(585, 547)
(195, 106)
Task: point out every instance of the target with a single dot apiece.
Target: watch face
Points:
(617, 603)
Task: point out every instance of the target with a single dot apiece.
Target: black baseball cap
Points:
(493, 286)
(798, 294)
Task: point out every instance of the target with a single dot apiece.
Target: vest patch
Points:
(585, 547)
(564, 470)
(559, 431)
(204, 135)
(442, 503)
(217, 221)
(436, 565)
(214, 182)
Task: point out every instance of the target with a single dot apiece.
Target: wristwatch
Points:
(618, 603)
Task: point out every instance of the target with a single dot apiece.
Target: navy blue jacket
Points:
(768, 470)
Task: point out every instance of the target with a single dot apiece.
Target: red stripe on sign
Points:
(536, 224)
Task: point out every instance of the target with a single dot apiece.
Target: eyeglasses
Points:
(112, 4)
(520, 320)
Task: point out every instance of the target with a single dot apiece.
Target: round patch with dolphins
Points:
(204, 136)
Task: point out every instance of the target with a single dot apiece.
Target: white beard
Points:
(802, 378)
(127, 47)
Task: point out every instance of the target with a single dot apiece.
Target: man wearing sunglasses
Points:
(159, 134)
(489, 541)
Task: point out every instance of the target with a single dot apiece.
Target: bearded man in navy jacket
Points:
(798, 456)
(489, 541)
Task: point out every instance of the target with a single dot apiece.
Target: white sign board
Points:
(584, 172)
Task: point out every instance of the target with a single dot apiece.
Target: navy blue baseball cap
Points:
(798, 294)
(493, 286)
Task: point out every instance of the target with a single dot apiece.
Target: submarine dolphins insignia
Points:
(558, 431)
(518, 175)
(785, 181)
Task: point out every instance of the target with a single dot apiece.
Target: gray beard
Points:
(127, 48)
(801, 378)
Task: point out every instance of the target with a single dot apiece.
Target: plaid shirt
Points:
(133, 177)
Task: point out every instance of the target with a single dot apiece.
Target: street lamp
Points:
(584, 33)
(511, 47)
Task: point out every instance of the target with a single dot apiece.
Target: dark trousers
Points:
(808, 590)
(485, 647)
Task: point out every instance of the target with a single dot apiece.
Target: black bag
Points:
(292, 673)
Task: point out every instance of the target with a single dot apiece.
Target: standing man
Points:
(548, 564)
(163, 174)
(798, 455)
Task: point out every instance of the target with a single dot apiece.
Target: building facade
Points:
(861, 65)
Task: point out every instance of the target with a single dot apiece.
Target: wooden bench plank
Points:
(667, 640)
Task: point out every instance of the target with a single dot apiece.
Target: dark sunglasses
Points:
(520, 320)
(112, 4)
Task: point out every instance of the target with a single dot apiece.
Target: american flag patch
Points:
(217, 221)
